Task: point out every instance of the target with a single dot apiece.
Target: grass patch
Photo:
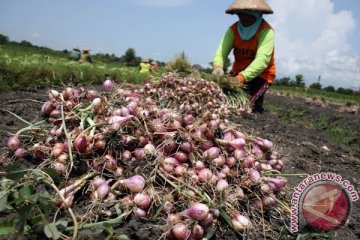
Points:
(334, 131)
(324, 96)
(22, 67)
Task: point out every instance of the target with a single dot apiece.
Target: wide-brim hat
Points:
(145, 60)
(254, 5)
(86, 49)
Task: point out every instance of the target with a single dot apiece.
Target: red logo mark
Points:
(325, 206)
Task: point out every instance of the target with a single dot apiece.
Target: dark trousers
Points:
(256, 88)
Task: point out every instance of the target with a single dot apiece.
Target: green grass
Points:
(323, 95)
(23, 67)
(334, 131)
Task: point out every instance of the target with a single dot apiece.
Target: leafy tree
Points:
(316, 86)
(329, 89)
(346, 91)
(4, 39)
(299, 80)
(26, 43)
(285, 81)
(130, 57)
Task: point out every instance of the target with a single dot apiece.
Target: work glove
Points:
(240, 78)
(218, 71)
(237, 81)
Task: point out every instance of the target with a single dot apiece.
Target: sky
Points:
(316, 38)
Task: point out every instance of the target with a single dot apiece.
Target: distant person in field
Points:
(85, 56)
(252, 41)
(154, 65)
(75, 54)
(145, 66)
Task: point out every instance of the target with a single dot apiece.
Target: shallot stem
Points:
(267, 174)
(91, 127)
(83, 117)
(51, 183)
(282, 204)
(18, 117)
(100, 224)
(203, 195)
(68, 139)
(162, 204)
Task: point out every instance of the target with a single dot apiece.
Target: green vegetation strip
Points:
(23, 67)
(333, 130)
(322, 95)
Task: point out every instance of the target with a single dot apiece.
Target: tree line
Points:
(300, 82)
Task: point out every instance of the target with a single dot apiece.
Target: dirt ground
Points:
(304, 149)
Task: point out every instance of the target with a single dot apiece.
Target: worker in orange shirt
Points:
(252, 41)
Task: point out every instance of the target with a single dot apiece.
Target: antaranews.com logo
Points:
(322, 201)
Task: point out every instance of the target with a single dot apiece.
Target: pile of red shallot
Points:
(186, 166)
(194, 95)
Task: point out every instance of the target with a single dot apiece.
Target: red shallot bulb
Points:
(149, 149)
(197, 231)
(53, 94)
(279, 183)
(117, 121)
(221, 185)
(80, 144)
(139, 153)
(108, 85)
(186, 147)
(110, 162)
(181, 156)
(212, 152)
(20, 153)
(181, 231)
(126, 155)
(103, 190)
(142, 200)
(47, 108)
(240, 223)
(13, 142)
(205, 175)
(135, 183)
(254, 175)
(140, 213)
(197, 211)
(238, 143)
(57, 149)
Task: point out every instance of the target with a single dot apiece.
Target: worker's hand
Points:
(218, 71)
(241, 78)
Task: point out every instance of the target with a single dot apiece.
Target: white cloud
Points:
(161, 3)
(35, 35)
(312, 39)
(156, 54)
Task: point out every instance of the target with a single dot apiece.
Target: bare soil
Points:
(305, 150)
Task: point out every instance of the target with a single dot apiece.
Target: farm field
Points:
(310, 137)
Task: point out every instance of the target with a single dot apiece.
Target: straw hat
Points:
(255, 5)
(145, 60)
(86, 49)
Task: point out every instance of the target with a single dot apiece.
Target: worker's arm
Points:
(223, 51)
(263, 55)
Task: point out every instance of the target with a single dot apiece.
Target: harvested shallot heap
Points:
(166, 153)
